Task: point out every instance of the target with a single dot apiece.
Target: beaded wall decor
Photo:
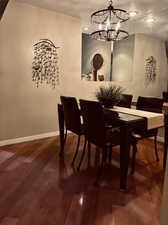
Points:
(45, 67)
(150, 68)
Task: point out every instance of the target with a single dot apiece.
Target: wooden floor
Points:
(39, 188)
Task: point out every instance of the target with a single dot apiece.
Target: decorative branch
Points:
(3, 4)
(150, 69)
(45, 63)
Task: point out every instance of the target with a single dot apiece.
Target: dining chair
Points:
(101, 134)
(72, 120)
(152, 105)
(98, 133)
(125, 101)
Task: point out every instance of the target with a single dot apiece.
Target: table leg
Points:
(165, 141)
(61, 128)
(124, 156)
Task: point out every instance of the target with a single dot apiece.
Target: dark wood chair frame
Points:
(152, 105)
(126, 101)
(72, 121)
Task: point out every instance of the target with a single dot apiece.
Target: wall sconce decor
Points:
(97, 62)
(150, 69)
(45, 67)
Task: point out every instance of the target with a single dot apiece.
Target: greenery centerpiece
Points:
(109, 95)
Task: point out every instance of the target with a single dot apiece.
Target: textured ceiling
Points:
(83, 9)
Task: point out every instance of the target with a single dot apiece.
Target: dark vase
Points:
(110, 115)
(165, 96)
(107, 103)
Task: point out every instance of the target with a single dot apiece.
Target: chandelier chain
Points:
(110, 2)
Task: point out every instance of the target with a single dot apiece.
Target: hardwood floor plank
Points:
(8, 200)
(39, 188)
(5, 155)
(9, 221)
(74, 215)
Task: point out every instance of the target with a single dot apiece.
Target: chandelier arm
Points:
(99, 11)
(96, 16)
(105, 20)
(103, 12)
(109, 35)
(126, 33)
(108, 17)
(122, 10)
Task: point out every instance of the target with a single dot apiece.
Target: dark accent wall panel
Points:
(3, 4)
(166, 43)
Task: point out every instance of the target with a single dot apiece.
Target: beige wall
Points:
(24, 109)
(130, 62)
(123, 59)
(146, 46)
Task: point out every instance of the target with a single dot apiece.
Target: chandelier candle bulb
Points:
(108, 22)
(100, 26)
(132, 14)
(108, 18)
(150, 20)
(118, 26)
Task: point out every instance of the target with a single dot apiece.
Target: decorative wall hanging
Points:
(45, 63)
(97, 64)
(150, 69)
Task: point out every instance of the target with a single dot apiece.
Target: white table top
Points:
(154, 120)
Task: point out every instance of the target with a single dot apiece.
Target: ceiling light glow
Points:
(150, 20)
(86, 28)
(132, 14)
(100, 26)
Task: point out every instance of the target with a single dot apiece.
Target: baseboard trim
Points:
(160, 139)
(29, 138)
(41, 136)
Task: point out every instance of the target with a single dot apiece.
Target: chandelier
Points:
(109, 22)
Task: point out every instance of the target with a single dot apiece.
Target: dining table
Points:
(129, 120)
